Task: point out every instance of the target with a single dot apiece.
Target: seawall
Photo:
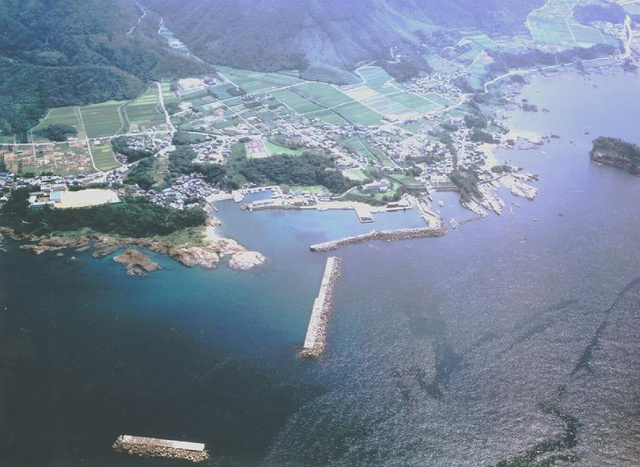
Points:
(168, 449)
(316, 337)
(380, 235)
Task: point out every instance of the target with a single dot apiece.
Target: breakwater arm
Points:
(381, 235)
(316, 337)
(165, 448)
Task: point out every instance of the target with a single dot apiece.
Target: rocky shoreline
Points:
(380, 235)
(207, 253)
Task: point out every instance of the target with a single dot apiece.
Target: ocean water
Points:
(512, 341)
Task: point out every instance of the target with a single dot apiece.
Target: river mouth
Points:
(476, 348)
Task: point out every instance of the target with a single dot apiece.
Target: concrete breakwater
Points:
(168, 449)
(381, 235)
(316, 337)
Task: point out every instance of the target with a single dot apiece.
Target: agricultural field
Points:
(415, 103)
(478, 70)
(442, 65)
(145, 109)
(566, 32)
(295, 102)
(168, 95)
(273, 149)
(61, 115)
(375, 77)
(253, 82)
(103, 157)
(330, 117)
(438, 99)
(358, 114)
(405, 180)
(70, 158)
(102, 120)
(362, 147)
(324, 94)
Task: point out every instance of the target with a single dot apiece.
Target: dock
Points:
(316, 337)
(165, 448)
(381, 235)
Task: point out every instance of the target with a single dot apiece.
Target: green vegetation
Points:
(611, 12)
(132, 218)
(141, 175)
(274, 148)
(295, 102)
(64, 53)
(467, 183)
(59, 116)
(145, 108)
(285, 35)
(102, 119)
(306, 170)
(324, 94)
(121, 145)
(103, 156)
(57, 132)
(358, 114)
(617, 152)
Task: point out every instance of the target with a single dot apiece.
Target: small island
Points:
(616, 152)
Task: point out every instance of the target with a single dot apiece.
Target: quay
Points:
(316, 337)
(364, 211)
(154, 447)
(381, 235)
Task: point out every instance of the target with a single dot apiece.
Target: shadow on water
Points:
(585, 358)
(447, 361)
(550, 452)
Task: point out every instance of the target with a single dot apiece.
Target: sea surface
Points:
(510, 342)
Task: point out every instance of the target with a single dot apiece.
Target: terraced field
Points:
(103, 119)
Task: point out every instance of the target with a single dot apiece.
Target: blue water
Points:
(460, 350)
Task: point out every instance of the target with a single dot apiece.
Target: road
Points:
(144, 13)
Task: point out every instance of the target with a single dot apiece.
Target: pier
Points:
(168, 449)
(315, 340)
(381, 235)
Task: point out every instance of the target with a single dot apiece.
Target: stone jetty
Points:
(168, 449)
(316, 338)
(381, 235)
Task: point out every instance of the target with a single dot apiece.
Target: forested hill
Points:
(280, 34)
(63, 52)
